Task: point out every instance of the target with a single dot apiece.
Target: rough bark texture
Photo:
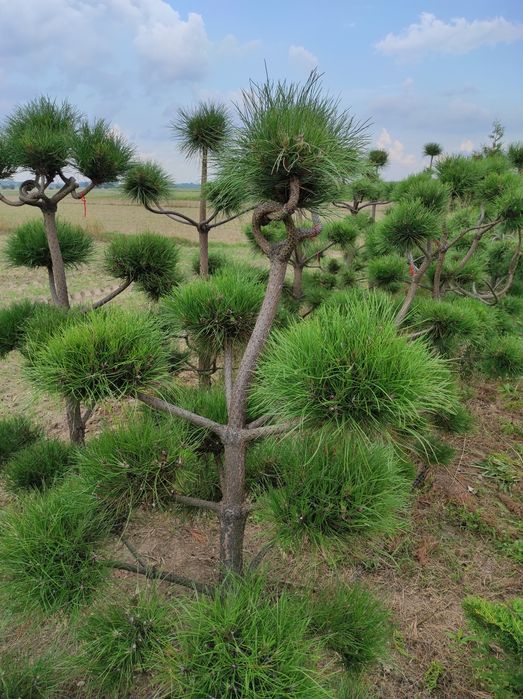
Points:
(60, 280)
(74, 421)
(52, 288)
(232, 513)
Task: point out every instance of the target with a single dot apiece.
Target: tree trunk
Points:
(74, 421)
(297, 282)
(58, 269)
(257, 340)
(52, 288)
(203, 235)
(373, 212)
(232, 515)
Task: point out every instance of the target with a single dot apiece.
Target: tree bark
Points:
(233, 515)
(203, 234)
(257, 340)
(52, 288)
(74, 421)
(58, 268)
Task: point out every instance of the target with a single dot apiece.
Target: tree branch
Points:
(196, 502)
(198, 420)
(251, 433)
(11, 203)
(186, 219)
(230, 218)
(112, 294)
(154, 573)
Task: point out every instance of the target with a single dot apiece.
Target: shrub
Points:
(48, 550)
(448, 324)
(12, 323)
(342, 232)
(408, 224)
(109, 353)
(347, 366)
(243, 642)
(387, 272)
(123, 638)
(16, 433)
(27, 246)
(503, 356)
(39, 466)
(498, 628)
(142, 463)
(430, 192)
(222, 308)
(460, 174)
(354, 624)
(147, 259)
(328, 493)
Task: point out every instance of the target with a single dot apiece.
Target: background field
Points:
(465, 534)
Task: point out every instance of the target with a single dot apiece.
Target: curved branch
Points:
(268, 430)
(156, 574)
(230, 218)
(79, 195)
(198, 420)
(183, 218)
(11, 203)
(112, 294)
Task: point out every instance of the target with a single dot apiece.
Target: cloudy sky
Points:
(419, 71)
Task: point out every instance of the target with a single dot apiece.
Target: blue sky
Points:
(418, 71)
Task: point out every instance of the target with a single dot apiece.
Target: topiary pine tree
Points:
(432, 150)
(378, 158)
(45, 138)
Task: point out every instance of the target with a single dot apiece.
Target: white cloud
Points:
(467, 146)
(301, 58)
(395, 149)
(432, 35)
(230, 46)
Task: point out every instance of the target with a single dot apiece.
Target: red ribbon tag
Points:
(84, 200)
(412, 269)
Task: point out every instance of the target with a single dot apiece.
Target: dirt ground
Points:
(464, 535)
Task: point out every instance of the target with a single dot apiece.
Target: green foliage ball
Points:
(243, 642)
(289, 130)
(16, 433)
(103, 354)
(100, 153)
(27, 246)
(388, 273)
(347, 366)
(12, 324)
(48, 548)
(39, 466)
(328, 492)
(354, 623)
(142, 462)
(503, 356)
(212, 311)
(342, 232)
(148, 259)
(431, 192)
(122, 638)
(409, 224)
(147, 183)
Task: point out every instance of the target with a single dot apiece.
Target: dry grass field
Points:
(464, 535)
